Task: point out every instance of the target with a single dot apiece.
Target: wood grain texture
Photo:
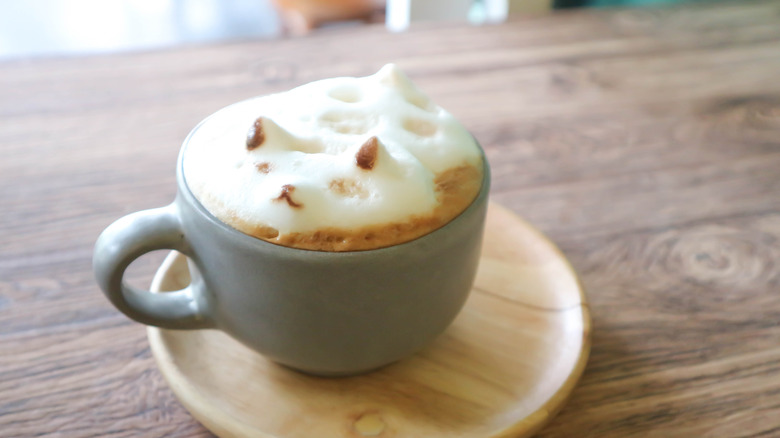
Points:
(502, 370)
(645, 143)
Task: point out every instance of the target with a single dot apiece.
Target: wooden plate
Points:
(503, 369)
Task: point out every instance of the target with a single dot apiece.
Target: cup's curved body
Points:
(326, 313)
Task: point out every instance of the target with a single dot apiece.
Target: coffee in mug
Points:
(334, 228)
(341, 164)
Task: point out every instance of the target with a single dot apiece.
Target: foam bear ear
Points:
(366, 156)
(372, 153)
(391, 75)
(265, 132)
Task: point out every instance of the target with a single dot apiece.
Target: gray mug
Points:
(325, 313)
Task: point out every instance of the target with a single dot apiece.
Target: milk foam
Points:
(310, 170)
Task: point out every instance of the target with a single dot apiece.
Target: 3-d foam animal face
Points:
(343, 152)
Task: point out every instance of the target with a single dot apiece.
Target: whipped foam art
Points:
(341, 153)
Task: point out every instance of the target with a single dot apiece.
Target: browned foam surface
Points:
(456, 188)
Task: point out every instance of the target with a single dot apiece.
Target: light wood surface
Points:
(644, 143)
(503, 369)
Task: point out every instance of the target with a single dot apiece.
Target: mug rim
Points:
(184, 189)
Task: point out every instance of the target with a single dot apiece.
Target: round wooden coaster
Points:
(503, 369)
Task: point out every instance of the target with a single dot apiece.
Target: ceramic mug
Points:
(325, 313)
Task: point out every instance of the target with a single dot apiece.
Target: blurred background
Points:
(67, 27)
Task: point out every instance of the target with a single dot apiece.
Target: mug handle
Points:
(131, 237)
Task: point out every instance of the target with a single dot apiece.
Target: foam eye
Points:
(420, 127)
(346, 94)
(263, 167)
(346, 123)
(347, 188)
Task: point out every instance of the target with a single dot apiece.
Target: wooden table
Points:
(646, 143)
